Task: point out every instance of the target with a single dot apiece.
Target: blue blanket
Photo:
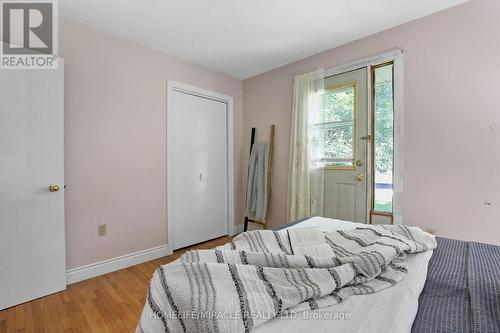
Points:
(462, 290)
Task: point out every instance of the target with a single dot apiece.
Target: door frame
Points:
(396, 56)
(172, 87)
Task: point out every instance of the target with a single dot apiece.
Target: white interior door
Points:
(32, 251)
(346, 141)
(198, 175)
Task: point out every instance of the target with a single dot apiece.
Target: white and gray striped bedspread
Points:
(462, 290)
(255, 278)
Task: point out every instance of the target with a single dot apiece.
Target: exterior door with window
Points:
(345, 138)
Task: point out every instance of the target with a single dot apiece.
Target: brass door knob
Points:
(360, 178)
(53, 188)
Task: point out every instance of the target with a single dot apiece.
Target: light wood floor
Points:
(108, 303)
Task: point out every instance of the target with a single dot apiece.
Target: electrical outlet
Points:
(101, 230)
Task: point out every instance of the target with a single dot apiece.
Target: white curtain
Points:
(305, 180)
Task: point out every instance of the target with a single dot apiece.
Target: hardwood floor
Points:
(107, 303)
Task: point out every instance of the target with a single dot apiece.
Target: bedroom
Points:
(80, 255)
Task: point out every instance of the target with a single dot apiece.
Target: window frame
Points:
(354, 85)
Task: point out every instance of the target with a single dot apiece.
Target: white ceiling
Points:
(244, 38)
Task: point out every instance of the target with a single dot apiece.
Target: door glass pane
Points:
(339, 142)
(339, 104)
(383, 138)
(340, 113)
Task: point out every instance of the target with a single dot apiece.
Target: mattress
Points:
(391, 310)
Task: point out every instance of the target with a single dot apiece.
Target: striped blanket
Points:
(461, 294)
(255, 278)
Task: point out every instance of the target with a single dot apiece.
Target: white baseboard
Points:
(236, 229)
(107, 266)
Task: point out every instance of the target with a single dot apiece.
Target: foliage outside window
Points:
(383, 138)
(339, 126)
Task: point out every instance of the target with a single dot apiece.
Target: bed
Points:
(396, 305)
(456, 291)
(454, 288)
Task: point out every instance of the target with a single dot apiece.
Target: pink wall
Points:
(452, 117)
(115, 108)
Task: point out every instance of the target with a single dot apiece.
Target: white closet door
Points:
(32, 252)
(198, 162)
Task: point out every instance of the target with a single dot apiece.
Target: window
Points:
(383, 143)
(340, 105)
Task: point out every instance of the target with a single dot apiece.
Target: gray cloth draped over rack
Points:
(256, 203)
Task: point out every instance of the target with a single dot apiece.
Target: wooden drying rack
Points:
(269, 173)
